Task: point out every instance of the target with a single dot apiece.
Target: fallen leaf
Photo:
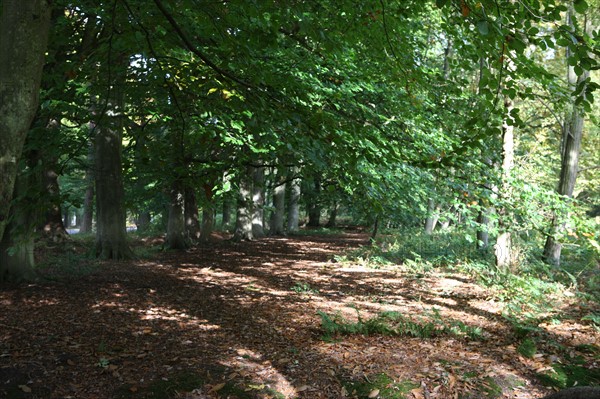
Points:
(374, 393)
(217, 388)
(25, 388)
(417, 393)
(302, 388)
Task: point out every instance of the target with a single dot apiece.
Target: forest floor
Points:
(241, 320)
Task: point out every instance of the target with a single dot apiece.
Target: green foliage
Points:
(304, 288)
(527, 348)
(380, 385)
(569, 375)
(396, 324)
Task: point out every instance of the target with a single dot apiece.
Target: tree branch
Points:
(190, 46)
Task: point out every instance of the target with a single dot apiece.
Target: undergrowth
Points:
(531, 291)
(397, 324)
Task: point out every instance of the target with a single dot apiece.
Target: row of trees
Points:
(397, 111)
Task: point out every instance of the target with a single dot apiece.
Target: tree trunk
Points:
(243, 223)
(293, 219)
(46, 162)
(53, 227)
(258, 202)
(192, 218)
(17, 244)
(483, 221)
(278, 216)
(503, 248)
(176, 231)
(227, 211)
(432, 216)
(24, 28)
(142, 221)
(111, 231)
(314, 203)
(87, 218)
(572, 134)
(208, 212)
(331, 222)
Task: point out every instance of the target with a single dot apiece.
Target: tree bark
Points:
(176, 232)
(258, 202)
(87, 217)
(313, 196)
(17, 244)
(432, 216)
(572, 134)
(332, 221)
(293, 219)
(142, 222)
(111, 231)
(24, 28)
(483, 220)
(503, 248)
(208, 212)
(243, 223)
(192, 218)
(277, 219)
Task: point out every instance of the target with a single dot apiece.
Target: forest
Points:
(297, 199)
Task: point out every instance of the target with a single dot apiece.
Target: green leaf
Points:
(483, 26)
(440, 3)
(580, 6)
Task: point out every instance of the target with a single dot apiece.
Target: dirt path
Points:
(240, 320)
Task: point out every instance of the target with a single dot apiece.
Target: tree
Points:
(258, 201)
(243, 223)
(277, 218)
(24, 30)
(111, 230)
(572, 134)
(293, 214)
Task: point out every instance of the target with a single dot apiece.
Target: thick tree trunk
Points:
(258, 202)
(293, 219)
(111, 231)
(24, 28)
(503, 248)
(51, 223)
(176, 231)
(243, 223)
(572, 134)
(277, 219)
(192, 218)
(17, 244)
